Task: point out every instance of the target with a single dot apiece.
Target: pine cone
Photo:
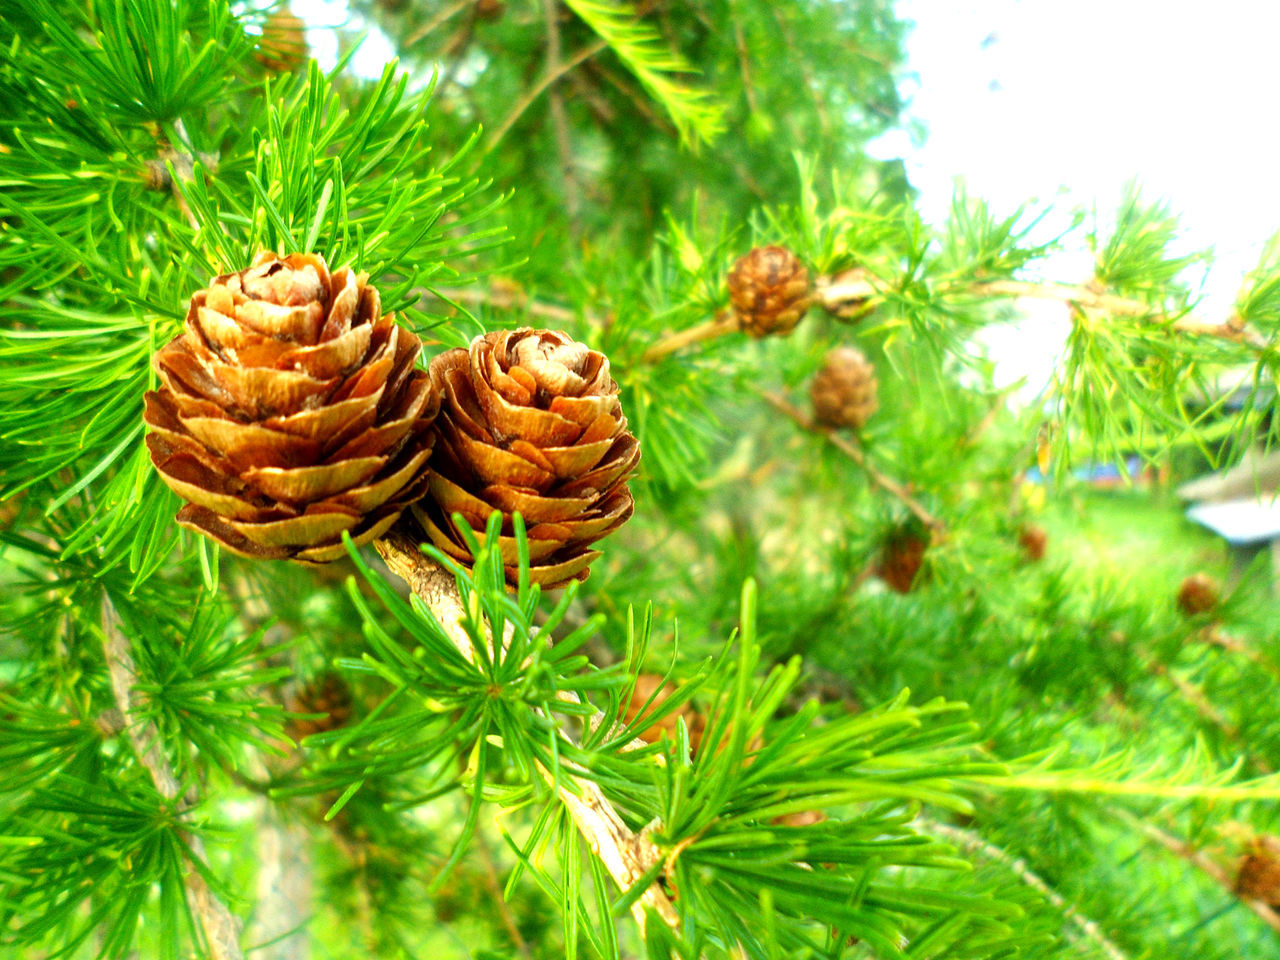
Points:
(651, 685)
(1258, 876)
(769, 290)
(844, 390)
(530, 423)
(1034, 541)
(283, 45)
(1198, 594)
(329, 695)
(490, 9)
(291, 411)
(901, 558)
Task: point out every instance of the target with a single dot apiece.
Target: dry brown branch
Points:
(854, 453)
(626, 855)
(221, 928)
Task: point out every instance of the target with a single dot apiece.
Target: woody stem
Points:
(626, 854)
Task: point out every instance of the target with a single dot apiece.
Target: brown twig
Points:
(867, 287)
(448, 13)
(1215, 637)
(1198, 700)
(532, 94)
(221, 928)
(723, 322)
(1205, 864)
(559, 118)
(489, 875)
(626, 855)
(1087, 929)
(854, 453)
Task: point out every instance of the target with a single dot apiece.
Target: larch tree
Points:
(322, 395)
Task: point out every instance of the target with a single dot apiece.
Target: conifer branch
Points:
(559, 119)
(723, 323)
(854, 453)
(221, 927)
(1200, 861)
(1086, 929)
(835, 296)
(1215, 637)
(626, 855)
(535, 91)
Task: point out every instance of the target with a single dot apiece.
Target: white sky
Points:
(1024, 97)
(1065, 102)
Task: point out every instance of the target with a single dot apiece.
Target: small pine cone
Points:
(901, 558)
(769, 290)
(844, 390)
(651, 685)
(530, 423)
(490, 9)
(283, 45)
(1198, 594)
(1258, 875)
(1034, 541)
(290, 411)
(329, 695)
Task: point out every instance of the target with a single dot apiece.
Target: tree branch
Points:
(854, 453)
(1205, 864)
(967, 839)
(221, 928)
(532, 94)
(724, 322)
(834, 296)
(559, 118)
(626, 855)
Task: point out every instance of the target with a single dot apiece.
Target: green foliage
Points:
(1065, 718)
(640, 47)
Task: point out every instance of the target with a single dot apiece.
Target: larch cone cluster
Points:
(530, 422)
(291, 411)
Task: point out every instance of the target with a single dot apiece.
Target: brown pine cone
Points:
(283, 45)
(291, 411)
(769, 290)
(329, 695)
(1258, 876)
(1034, 541)
(901, 558)
(651, 685)
(1198, 594)
(530, 423)
(844, 390)
(490, 9)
